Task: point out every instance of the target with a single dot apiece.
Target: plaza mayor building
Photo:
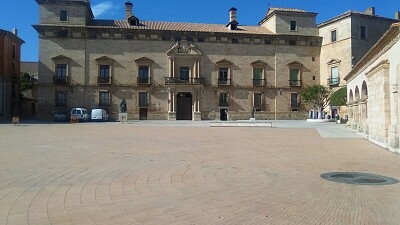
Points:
(173, 70)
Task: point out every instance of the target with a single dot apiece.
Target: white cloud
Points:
(101, 8)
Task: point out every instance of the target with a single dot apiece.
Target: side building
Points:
(346, 39)
(372, 92)
(176, 71)
(10, 58)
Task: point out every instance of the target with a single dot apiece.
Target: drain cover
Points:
(359, 178)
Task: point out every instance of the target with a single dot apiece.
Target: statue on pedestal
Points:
(123, 105)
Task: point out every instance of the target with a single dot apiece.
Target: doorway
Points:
(184, 106)
(223, 114)
(143, 114)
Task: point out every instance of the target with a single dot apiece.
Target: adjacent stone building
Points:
(10, 57)
(346, 39)
(170, 70)
(372, 87)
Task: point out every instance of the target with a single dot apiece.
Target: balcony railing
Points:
(60, 79)
(295, 83)
(104, 80)
(177, 80)
(258, 82)
(333, 81)
(143, 80)
(226, 82)
(223, 103)
(143, 104)
(104, 104)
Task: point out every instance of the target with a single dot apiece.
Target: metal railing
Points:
(226, 82)
(143, 80)
(223, 103)
(295, 83)
(333, 81)
(178, 80)
(104, 80)
(258, 82)
(60, 79)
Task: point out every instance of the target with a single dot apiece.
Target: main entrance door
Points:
(184, 106)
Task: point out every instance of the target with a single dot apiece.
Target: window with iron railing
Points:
(223, 99)
(61, 74)
(143, 99)
(143, 75)
(104, 98)
(104, 75)
(61, 98)
(223, 76)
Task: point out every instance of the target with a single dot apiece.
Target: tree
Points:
(317, 96)
(339, 97)
(26, 82)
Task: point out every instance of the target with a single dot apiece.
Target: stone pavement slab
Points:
(157, 172)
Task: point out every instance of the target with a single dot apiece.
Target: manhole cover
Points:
(359, 178)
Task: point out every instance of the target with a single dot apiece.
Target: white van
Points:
(80, 113)
(99, 115)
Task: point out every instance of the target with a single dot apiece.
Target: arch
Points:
(357, 94)
(364, 91)
(351, 96)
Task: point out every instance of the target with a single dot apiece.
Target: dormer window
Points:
(293, 26)
(63, 15)
(233, 25)
(133, 21)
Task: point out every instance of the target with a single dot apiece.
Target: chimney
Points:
(397, 15)
(370, 11)
(14, 31)
(232, 14)
(128, 9)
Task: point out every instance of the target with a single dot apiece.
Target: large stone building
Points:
(169, 70)
(10, 57)
(346, 39)
(372, 88)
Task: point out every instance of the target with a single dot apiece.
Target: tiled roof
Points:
(352, 12)
(179, 26)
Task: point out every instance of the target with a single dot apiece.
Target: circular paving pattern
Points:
(359, 178)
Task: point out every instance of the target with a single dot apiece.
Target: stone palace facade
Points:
(176, 71)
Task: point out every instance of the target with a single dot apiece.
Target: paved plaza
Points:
(186, 173)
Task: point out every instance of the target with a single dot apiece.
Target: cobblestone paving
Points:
(107, 174)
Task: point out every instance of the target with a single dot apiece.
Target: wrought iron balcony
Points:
(143, 81)
(143, 104)
(259, 82)
(333, 81)
(223, 103)
(295, 83)
(226, 82)
(60, 79)
(178, 80)
(104, 80)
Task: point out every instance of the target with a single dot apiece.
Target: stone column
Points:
(196, 108)
(198, 68)
(171, 106)
(393, 128)
(171, 66)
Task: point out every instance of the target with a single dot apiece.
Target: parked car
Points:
(99, 115)
(60, 116)
(80, 113)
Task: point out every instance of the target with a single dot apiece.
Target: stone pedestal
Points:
(197, 116)
(252, 119)
(171, 116)
(123, 117)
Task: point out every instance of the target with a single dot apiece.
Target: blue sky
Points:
(21, 14)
